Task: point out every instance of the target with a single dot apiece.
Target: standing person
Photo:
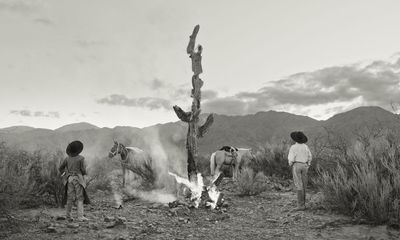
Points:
(300, 160)
(73, 169)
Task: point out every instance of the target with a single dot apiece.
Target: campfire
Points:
(199, 193)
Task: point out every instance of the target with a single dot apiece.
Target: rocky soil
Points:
(266, 216)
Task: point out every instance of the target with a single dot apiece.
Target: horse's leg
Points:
(217, 167)
(123, 176)
(234, 174)
(236, 171)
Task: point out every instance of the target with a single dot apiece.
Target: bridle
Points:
(116, 151)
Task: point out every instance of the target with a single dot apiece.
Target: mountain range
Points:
(242, 131)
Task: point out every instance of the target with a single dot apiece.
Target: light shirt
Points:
(299, 153)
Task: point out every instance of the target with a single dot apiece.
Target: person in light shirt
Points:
(300, 160)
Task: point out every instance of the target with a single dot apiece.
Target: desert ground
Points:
(269, 215)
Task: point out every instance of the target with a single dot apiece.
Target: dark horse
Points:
(134, 159)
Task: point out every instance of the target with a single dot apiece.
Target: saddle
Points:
(229, 149)
(229, 152)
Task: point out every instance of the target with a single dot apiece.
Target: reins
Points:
(116, 151)
(120, 150)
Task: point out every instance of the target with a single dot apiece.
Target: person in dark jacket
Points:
(73, 169)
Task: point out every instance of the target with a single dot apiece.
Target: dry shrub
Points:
(45, 180)
(249, 183)
(30, 179)
(99, 174)
(146, 173)
(367, 186)
(272, 160)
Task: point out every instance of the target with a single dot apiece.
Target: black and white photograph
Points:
(212, 119)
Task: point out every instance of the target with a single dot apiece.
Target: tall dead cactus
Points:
(192, 117)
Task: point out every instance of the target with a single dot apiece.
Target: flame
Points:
(195, 188)
(214, 194)
(198, 188)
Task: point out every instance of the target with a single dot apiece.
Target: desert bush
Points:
(367, 185)
(251, 183)
(13, 168)
(272, 160)
(30, 179)
(146, 173)
(99, 177)
(44, 180)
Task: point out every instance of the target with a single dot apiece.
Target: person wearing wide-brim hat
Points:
(73, 169)
(300, 160)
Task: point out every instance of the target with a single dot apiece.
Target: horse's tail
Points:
(212, 163)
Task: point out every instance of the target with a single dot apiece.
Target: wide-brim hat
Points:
(74, 148)
(299, 137)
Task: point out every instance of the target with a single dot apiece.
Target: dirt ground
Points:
(266, 216)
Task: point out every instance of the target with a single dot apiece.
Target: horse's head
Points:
(116, 149)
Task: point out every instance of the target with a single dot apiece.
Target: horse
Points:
(235, 160)
(134, 159)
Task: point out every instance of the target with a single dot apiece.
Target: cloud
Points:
(320, 94)
(90, 43)
(227, 105)
(20, 6)
(157, 84)
(143, 102)
(28, 113)
(377, 83)
(25, 113)
(209, 94)
(43, 21)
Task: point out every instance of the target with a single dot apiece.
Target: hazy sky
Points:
(123, 62)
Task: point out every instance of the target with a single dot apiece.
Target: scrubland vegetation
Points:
(358, 177)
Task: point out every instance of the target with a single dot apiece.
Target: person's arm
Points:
(291, 156)
(83, 167)
(62, 166)
(309, 157)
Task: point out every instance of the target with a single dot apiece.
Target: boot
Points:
(68, 208)
(300, 200)
(80, 211)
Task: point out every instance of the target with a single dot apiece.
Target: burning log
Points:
(208, 195)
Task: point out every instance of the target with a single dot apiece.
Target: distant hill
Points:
(76, 127)
(16, 129)
(253, 130)
(242, 131)
(360, 117)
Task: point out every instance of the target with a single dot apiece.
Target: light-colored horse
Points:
(134, 159)
(222, 157)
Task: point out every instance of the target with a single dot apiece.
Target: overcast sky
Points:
(123, 62)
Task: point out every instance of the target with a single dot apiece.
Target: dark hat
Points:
(299, 137)
(74, 148)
